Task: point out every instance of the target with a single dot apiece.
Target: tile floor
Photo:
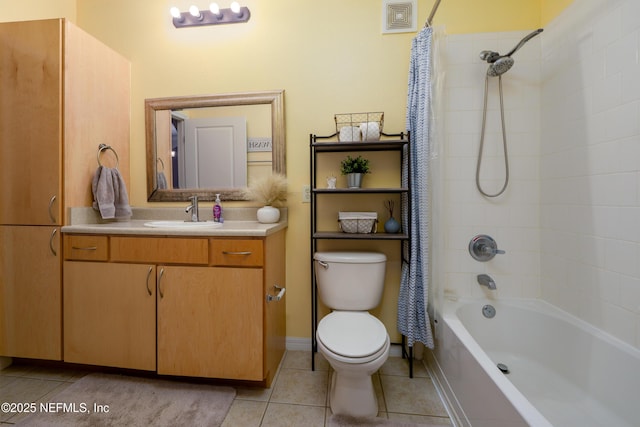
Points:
(297, 397)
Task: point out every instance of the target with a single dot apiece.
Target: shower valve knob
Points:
(483, 248)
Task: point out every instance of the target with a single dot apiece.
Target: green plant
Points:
(354, 165)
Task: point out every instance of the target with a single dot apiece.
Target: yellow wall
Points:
(552, 8)
(24, 10)
(329, 56)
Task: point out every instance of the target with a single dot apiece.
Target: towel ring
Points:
(103, 147)
(161, 163)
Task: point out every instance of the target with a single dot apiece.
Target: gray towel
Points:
(110, 194)
(162, 181)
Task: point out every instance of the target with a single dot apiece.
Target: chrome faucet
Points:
(193, 207)
(486, 280)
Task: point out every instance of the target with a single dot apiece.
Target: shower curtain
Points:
(413, 319)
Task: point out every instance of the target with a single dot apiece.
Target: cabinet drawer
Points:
(166, 250)
(86, 248)
(236, 252)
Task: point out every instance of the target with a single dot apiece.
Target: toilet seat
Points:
(353, 337)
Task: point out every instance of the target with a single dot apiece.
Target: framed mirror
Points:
(208, 144)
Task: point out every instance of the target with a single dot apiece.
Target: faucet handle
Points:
(483, 248)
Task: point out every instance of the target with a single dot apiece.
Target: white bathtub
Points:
(562, 371)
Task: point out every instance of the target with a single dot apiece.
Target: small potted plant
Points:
(354, 169)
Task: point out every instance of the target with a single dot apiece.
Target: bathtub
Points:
(561, 371)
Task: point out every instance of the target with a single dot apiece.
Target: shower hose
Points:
(504, 140)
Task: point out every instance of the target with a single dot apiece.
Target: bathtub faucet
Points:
(486, 280)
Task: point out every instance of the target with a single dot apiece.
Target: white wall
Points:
(570, 219)
(590, 163)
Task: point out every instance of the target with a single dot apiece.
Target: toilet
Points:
(355, 343)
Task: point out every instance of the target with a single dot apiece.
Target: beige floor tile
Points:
(302, 360)
(16, 370)
(245, 413)
(301, 387)
(400, 367)
(254, 393)
(284, 415)
(25, 390)
(411, 396)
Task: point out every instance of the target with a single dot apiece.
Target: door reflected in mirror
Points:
(205, 145)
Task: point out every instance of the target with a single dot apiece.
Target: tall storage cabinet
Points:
(62, 93)
(325, 145)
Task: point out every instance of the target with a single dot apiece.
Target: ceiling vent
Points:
(399, 16)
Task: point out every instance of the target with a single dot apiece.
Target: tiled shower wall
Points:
(570, 218)
(590, 165)
(512, 219)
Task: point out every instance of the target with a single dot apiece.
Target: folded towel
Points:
(110, 194)
(162, 181)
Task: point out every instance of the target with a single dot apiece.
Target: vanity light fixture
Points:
(214, 16)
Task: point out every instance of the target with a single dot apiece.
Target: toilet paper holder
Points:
(277, 297)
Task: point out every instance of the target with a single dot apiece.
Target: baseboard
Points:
(304, 344)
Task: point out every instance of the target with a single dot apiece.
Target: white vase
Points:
(268, 214)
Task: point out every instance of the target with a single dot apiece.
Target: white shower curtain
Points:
(413, 319)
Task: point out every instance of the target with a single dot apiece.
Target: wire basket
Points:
(358, 222)
(359, 126)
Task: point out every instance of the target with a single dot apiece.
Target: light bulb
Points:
(214, 8)
(194, 11)
(175, 12)
(235, 7)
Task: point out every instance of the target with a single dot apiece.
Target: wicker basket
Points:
(358, 222)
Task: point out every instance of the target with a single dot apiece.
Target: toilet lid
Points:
(352, 334)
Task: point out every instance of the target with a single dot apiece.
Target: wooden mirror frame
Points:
(274, 98)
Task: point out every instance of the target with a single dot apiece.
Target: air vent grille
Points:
(399, 16)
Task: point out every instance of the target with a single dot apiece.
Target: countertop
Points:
(86, 222)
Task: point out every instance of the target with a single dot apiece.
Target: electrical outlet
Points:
(306, 194)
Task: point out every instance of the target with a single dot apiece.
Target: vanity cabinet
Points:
(63, 93)
(210, 322)
(30, 298)
(110, 314)
(185, 306)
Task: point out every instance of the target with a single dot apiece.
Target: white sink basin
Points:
(182, 224)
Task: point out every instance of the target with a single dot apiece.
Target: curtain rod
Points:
(433, 12)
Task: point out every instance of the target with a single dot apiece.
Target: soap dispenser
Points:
(217, 209)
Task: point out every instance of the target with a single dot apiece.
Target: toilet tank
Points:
(350, 280)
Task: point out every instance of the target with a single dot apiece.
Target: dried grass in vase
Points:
(270, 190)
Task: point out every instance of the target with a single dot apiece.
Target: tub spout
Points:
(486, 280)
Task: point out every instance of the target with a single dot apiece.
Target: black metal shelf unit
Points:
(326, 144)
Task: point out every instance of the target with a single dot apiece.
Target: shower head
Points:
(500, 64)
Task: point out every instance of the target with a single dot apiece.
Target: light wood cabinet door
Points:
(210, 322)
(110, 314)
(30, 292)
(30, 132)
